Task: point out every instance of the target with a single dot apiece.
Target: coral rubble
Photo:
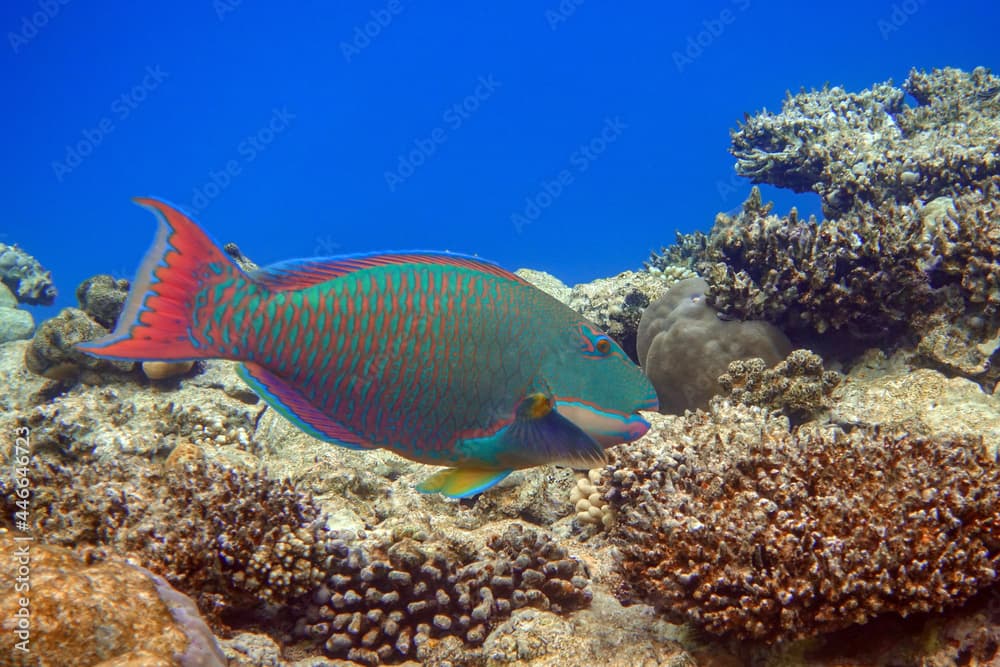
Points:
(729, 521)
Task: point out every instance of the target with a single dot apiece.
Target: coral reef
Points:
(102, 297)
(730, 522)
(80, 614)
(797, 386)
(234, 540)
(15, 324)
(684, 347)
(873, 148)
(929, 271)
(51, 353)
(616, 304)
(910, 249)
(546, 282)
(25, 277)
(386, 601)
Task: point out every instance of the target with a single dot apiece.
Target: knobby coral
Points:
(728, 521)
(384, 600)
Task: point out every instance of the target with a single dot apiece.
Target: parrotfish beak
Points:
(607, 428)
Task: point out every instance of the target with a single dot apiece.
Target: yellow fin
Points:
(461, 482)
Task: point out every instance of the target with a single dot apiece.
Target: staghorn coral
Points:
(728, 521)
(25, 277)
(797, 385)
(384, 601)
(873, 148)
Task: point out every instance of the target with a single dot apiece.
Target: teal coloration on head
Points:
(597, 386)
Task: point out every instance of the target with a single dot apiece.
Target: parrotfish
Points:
(441, 358)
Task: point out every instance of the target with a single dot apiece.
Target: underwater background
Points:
(739, 403)
(431, 126)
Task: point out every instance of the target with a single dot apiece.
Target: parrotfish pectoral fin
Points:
(540, 435)
(293, 406)
(461, 482)
(156, 320)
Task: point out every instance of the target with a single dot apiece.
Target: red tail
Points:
(156, 323)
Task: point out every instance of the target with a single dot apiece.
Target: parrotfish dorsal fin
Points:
(301, 273)
(461, 483)
(296, 408)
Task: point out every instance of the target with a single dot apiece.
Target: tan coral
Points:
(163, 370)
(586, 498)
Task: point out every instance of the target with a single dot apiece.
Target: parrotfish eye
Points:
(603, 345)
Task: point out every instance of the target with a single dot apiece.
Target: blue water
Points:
(572, 137)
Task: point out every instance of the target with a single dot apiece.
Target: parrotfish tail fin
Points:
(461, 482)
(158, 318)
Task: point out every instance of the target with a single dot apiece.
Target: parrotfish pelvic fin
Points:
(462, 482)
(156, 321)
(291, 404)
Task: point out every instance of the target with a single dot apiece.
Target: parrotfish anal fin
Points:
(294, 407)
(539, 435)
(301, 273)
(461, 482)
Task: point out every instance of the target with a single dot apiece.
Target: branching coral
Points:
(871, 147)
(797, 386)
(729, 522)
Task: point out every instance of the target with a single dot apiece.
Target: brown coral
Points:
(730, 522)
(385, 600)
(797, 385)
(231, 539)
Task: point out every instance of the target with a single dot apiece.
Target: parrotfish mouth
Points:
(606, 427)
